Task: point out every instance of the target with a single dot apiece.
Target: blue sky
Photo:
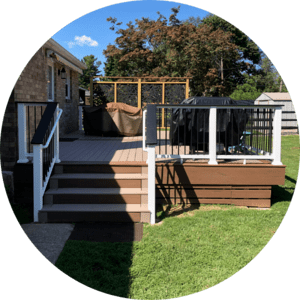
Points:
(90, 34)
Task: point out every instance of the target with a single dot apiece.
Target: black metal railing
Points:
(34, 113)
(239, 131)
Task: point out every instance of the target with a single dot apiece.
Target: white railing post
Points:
(37, 180)
(56, 138)
(277, 137)
(151, 182)
(22, 133)
(80, 117)
(212, 136)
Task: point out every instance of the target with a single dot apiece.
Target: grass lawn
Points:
(191, 250)
(290, 151)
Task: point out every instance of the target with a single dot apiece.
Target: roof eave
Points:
(53, 45)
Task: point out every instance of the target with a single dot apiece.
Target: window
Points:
(50, 83)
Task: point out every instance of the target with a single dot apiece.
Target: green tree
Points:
(170, 48)
(249, 90)
(110, 66)
(267, 80)
(92, 70)
(231, 70)
(271, 79)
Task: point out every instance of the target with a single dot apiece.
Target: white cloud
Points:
(82, 41)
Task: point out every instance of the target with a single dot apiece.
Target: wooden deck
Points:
(101, 170)
(78, 147)
(194, 181)
(101, 149)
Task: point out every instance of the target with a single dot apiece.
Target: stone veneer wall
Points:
(31, 86)
(69, 119)
(9, 136)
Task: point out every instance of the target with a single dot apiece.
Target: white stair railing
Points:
(49, 126)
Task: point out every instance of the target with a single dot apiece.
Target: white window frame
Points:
(50, 64)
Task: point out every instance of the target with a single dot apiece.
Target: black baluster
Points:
(171, 130)
(166, 126)
(178, 127)
(35, 118)
(251, 129)
(159, 126)
(204, 132)
(245, 136)
(197, 130)
(226, 144)
(219, 121)
(231, 121)
(270, 130)
(191, 127)
(29, 133)
(184, 134)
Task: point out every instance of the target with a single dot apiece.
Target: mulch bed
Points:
(107, 232)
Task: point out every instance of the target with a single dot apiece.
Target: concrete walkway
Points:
(49, 239)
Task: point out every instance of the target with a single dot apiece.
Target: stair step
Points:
(98, 180)
(95, 208)
(97, 191)
(87, 167)
(92, 192)
(99, 176)
(94, 213)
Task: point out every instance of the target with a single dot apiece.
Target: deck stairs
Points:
(87, 192)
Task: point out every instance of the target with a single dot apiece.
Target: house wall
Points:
(9, 151)
(31, 86)
(69, 119)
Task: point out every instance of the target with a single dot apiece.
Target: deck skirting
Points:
(191, 182)
(233, 184)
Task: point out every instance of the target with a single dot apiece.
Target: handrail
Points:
(44, 123)
(183, 106)
(45, 157)
(53, 129)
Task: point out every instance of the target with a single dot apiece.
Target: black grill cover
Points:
(230, 123)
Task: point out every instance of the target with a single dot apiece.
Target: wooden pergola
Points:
(139, 81)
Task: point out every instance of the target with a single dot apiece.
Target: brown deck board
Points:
(120, 149)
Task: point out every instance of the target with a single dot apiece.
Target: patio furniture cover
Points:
(229, 130)
(113, 119)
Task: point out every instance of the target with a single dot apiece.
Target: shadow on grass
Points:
(165, 211)
(280, 194)
(292, 180)
(101, 266)
(173, 190)
(283, 193)
(99, 255)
